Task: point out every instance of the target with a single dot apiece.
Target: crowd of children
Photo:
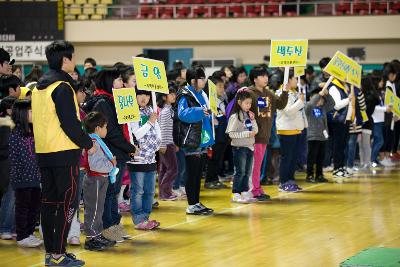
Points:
(65, 147)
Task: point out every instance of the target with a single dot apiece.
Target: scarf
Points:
(113, 173)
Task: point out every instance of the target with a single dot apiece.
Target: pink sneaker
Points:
(124, 207)
(157, 224)
(170, 198)
(145, 226)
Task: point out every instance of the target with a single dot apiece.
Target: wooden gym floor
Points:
(322, 226)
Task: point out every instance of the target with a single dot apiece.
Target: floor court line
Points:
(200, 218)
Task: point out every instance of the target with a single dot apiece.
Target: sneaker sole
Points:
(199, 214)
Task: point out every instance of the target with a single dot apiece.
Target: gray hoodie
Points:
(316, 117)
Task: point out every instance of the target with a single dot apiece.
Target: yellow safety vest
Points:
(49, 136)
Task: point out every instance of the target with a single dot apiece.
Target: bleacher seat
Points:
(96, 17)
(68, 2)
(80, 2)
(101, 9)
(70, 17)
(83, 17)
(94, 2)
(75, 9)
(88, 9)
(106, 2)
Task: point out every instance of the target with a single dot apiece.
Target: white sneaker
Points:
(177, 192)
(339, 173)
(6, 236)
(30, 242)
(183, 190)
(237, 198)
(74, 241)
(349, 170)
(387, 162)
(328, 169)
(248, 196)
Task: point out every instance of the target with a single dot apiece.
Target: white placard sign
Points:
(26, 51)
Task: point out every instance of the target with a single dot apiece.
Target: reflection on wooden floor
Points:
(322, 226)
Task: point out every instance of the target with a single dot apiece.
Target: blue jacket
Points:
(196, 114)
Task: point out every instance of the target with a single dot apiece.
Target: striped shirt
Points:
(356, 126)
(166, 124)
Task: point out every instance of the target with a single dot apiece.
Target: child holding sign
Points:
(290, 122)
(147, 134)
(264, 108)
(242, 128)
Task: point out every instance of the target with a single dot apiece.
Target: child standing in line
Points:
(215, 163)
(317, 134)
(147, 134)
(242, 128)
(25, 175)
(101, 165)
(290, 122)
(168, 161)
(265, 103)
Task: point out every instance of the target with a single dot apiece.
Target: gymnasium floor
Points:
(322, 226)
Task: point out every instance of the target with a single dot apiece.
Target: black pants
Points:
(215, 164)
(27, 207)
(4, 177)
(396, 136)
(340, 136)
(194, 168)
(59, 202)
(315, 156)
(388, 137)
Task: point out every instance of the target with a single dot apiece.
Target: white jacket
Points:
(292, 117)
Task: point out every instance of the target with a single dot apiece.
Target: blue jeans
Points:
(243, 162)
(302, 149)
(351, 150)
(7, 211)
(377, 141)
(289, 146)
(180, 180)
(142, 194)
(111, 214)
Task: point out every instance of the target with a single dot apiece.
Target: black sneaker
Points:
(311, 179)
(262, 197)
(267, 181)
(106, 242)
(73, 257)
(321, 179)
(212, 185)
(197, 210)
(155, 205)
(221, 185)
(205, 209)
(67, 259)
(94, 245)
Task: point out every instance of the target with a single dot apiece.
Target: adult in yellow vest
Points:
(59, 139)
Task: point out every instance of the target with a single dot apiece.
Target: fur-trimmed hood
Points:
(7, 121)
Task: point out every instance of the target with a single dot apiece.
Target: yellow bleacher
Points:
(85, 9)
(88, 9)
